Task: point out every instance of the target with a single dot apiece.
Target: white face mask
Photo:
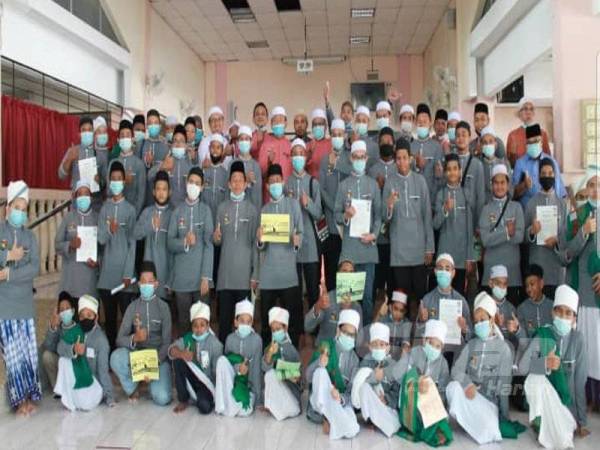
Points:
(193, 191)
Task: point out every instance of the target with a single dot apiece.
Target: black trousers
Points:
(384, 278)
(290, 299)
(413, 281)
(216, 262)
(204, 399)
(112, 304)
(458, 282)
(227, 298)
(332, 248)
(312, 277)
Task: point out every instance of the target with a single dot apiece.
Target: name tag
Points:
(90, 352)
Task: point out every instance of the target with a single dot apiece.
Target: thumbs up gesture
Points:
(500, 319)
(78, 347)
(589, 227)
(393, 198)
(16, 253)
(217, 234)
(383, 310)
(552, 361)
(528, 182)
(423, 314)
(449, 203)
(155, 221)
(512, 325)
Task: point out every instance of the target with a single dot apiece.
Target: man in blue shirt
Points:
(525, 177)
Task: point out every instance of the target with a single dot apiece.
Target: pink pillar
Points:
(403, 78)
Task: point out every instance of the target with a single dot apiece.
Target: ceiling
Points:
(398, 27)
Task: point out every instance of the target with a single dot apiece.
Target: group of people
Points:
(439, 203)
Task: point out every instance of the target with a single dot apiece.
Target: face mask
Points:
(386, 150)
(245, 147)
(499, 292)
(153, 130)
(534, 150)
(406, 126)
(200, 337)
(362, 128)
(125, 144)
(488, 150)
(563, 326)
(83, 202)
(139, 135)
(422, 132)
(337, 142)
(444, 278)
(298, 163)
(87, 325)
(547, 183)
(87, 138)
(278, 336)
(116, 187)
(244, 330)
(276, 190)
(17, 218)
(178, 152)
(66, 316)
(379, 354)
(193, 191)
(318, 132)
(169, 136)
(359, 166)
(383, 122)
(482, 329)
(198, 136)
(580, 203)
(147, 291)
(593, 203)
(102, 140)
(452, 134)
(237, 197)
(278, 129)
(431, 353)
(346, 342)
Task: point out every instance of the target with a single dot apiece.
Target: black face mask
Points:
(386, 150)
(215, 159)
(87, 325)
(547, 183)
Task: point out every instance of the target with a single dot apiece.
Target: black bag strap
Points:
(464, 178)
(502, 212)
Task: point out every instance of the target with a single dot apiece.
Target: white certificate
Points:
(88, 171)
(89, 244)
(361, 221)
(548, 218)
(450, 311)
(430, 405)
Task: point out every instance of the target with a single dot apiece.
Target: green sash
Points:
(558, 378)
(81, 368)
(333, 368)
(438, 434)
(190, 344)
(241, 389)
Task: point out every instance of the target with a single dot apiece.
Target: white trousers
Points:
(279, 399)
(341, 418)
(381, 415)
(557, 422)
(587, 322)
(84, 399)
(225, 404)
(478, 417)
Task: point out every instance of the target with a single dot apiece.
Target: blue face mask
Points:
(66, 316)
(443, 278)
(116, 187)
(359, 165)
(125, 144)
(422, 132)
(153, 130)
(482, 329)
(278, 336)
(278, 129)
(169, 136)
(346, 342)
(276, 190)
(298, 163)
(488, 150)
(337, 142)
(198, 136)
(452, 134)
(87, 138)
(147, 291)
(318, 132)
(563, 326)
(244, 147)
(102, 140)
(83, 202)
(200, 337)
(593, 203)
(17, 218)
(244, 330)
(237, 197)
(139, 136)
(362, 128)
(383, 122)
(178, 152)
(499, 292)
(379, 354)
(431, 353)
(534, 150)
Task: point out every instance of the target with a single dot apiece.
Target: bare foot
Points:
(582, 432)
(326, 427)
(133, 398)
(180, 407)
(22, 410)
(31, 407)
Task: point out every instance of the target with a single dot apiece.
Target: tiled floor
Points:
(146, 426)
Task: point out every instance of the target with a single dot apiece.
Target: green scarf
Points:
(510, 429)
(436, 435)
(81, 368)
(241, 389)
(333, 368)
(190, 344)
(558, 378)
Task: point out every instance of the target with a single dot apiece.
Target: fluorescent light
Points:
(359, 40)
(336, 59)
(242, 15)
(356, 13)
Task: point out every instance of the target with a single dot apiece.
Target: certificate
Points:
(430, 405)
(89, 244)
(286, 370)
(361, 221)
(350, 286)
(548, 218)
(144, 364)
(88, 171)
(450, 311)
(275, 228)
